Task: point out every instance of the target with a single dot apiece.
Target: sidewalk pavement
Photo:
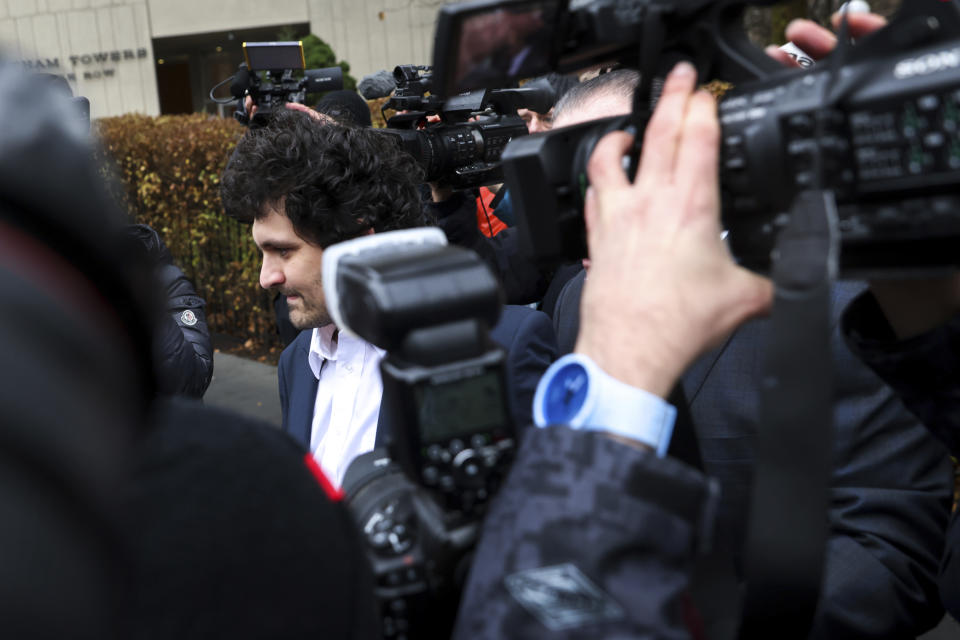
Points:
(245, 386)
(948, 629)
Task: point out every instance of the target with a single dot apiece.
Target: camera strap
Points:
(788, 527)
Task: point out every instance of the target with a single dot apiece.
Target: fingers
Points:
(818, 42)
(296, 106)
(590, 212)
(815, 40)
(663, 138)
(605, 168)
(440, 192)
(781, 56)
(699, 151)
(860, 24)
(663, 131)
(249, 107)
(316, 115)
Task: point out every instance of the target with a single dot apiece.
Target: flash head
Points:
(383, 286)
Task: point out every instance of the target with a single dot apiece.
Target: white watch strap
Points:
(600, 402)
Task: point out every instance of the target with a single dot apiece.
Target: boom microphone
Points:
(379, 84)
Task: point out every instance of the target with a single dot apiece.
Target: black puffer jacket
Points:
(183, 355)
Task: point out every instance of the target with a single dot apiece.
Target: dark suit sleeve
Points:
(530, 350)
(890, 485)
(924, 372)
(890, 503)
(588, 538)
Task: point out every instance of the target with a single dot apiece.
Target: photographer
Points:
(902, 607)
(890, 484)
(459, 213)
(591, 525)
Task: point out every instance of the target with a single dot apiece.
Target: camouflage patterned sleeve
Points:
(588, 538)
(924, 371)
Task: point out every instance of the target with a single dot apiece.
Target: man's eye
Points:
(283, 253)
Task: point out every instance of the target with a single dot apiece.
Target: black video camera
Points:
(419, 503)
(463, 149)
(875, 124)
(277, 62)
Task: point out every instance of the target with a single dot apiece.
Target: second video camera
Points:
(462, 148)
(278, 84)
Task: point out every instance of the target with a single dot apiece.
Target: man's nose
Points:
(271, 275)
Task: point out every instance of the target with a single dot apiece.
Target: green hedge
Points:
(166, 171)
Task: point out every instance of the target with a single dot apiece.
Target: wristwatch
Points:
(575, 392)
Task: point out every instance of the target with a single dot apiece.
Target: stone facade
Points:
(106, 47)
(103, 47)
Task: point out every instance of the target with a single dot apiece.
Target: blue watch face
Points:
(566, 394)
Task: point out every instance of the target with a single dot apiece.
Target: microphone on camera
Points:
(241, 82)
(379, 84)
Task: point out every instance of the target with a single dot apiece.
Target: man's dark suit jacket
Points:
(925, 371)
(525, 334)
(891, 480)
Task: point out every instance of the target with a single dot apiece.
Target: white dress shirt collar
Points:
(347, 404)
(322, 347)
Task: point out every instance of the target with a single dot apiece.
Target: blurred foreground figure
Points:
(235, 533)
(77, 378)
(194, 543)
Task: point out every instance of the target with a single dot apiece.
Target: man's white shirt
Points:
(347, 405)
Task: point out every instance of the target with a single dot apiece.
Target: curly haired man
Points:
(306, 183)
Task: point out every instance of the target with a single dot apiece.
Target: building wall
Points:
(105, 47)
(102, 46)
(376, 34)
(183, 17)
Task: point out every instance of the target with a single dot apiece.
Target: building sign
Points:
(83, 59)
